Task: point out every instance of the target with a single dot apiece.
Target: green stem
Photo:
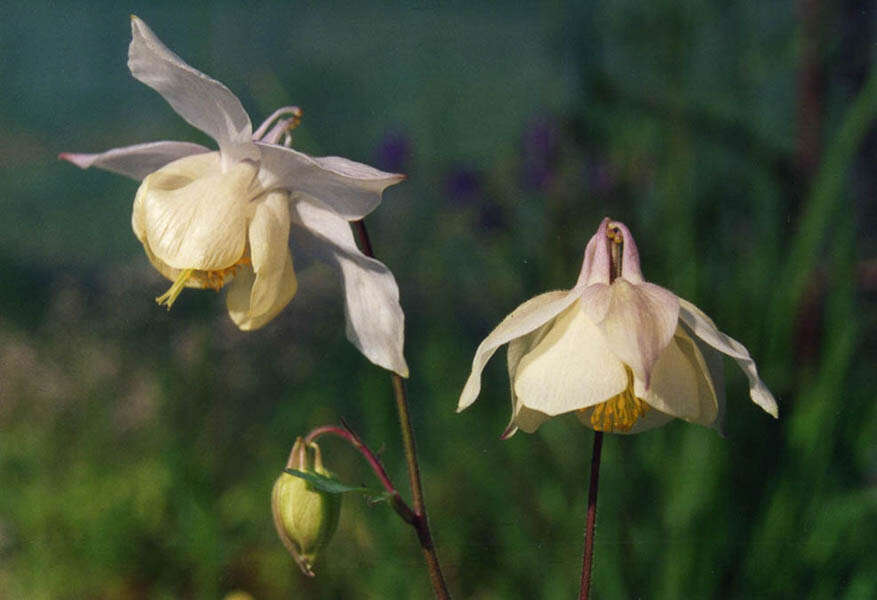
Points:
(420, 521)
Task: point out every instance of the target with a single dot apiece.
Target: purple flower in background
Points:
(539, 152)
(394, 152)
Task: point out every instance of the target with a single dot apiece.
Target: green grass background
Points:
(138, 447)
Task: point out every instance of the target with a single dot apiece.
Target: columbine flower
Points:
(207, 219)
(625, 355)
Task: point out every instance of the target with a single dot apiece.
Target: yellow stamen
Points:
(621, 411)
(170, 296)
(205, 279)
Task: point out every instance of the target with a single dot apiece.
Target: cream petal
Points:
(350, 189)
(375, 321)
(637, 321)
(570, 368)
(203, 102)
(681, 385)
(269, 248)
(529, 316)
(281, 286)
(193, 214)
(135, 161)
(704, 328)
(516, 350)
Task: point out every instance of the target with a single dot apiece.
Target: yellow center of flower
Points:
(620, 412)
(203, 279)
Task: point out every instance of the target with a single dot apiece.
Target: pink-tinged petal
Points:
(527, 420)
(630, 269)
(375, 321)
(597, 266)
(136, 161)
(681, 385)
(351, 189)
(570, 368)
(704, 328)
(529, 316)
(203, 102)
(638, 324)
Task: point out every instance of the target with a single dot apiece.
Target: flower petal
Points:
(135, 161)
(375, 321)
(681, 385)
(350, 189)
(704, 328)
(526, 318)
(203, 102)
(274, 283)
(193, 215)
(637, 321)
(596, 267)
(280, 286)
(570, 368)
(630, 268)
(516, 350)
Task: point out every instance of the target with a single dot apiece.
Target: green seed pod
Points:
(305, 517)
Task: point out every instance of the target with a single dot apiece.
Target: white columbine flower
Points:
(625, 355)
(210, 218)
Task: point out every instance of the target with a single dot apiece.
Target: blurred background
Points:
(138, 447)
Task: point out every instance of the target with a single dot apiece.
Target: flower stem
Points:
(420, 521)
(588, 559)
(345, 433)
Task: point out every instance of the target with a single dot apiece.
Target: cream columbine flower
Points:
(207, 218)
(625, 355)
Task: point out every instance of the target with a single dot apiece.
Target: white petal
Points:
(203, 102)
(375, 321)
(704, 328)
(638, 321)
(681, 385)
(193, 215)
(281, 284)
(570, 368)
(526, 318)
(136, 161)
(350, 189)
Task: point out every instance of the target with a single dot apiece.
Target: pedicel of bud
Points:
(305, 517)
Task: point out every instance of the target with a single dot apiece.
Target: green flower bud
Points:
(305, 517)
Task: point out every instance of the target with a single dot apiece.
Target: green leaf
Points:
(332, 485)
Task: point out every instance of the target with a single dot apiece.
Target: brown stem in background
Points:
(420, 521)
(588, 560)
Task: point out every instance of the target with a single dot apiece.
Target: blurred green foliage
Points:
(138, 447)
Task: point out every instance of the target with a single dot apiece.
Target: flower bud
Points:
(305, 517)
